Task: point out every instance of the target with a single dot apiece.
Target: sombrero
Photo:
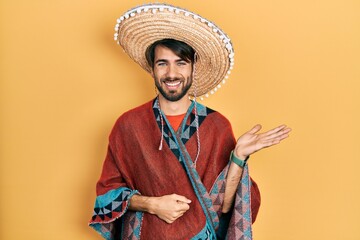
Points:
(141, 26)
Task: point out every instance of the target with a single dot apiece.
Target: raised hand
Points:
(252, 141)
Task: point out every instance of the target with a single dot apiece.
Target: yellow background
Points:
(64, 82)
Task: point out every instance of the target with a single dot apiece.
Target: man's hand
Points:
(252, 141)
(167, 207)
(247, 144)
(170, 207)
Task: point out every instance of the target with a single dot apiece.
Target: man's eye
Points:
(181, 63)
(161, 64)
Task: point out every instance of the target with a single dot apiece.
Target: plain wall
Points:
(64, 82)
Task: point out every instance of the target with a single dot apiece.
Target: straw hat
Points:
(141, 26)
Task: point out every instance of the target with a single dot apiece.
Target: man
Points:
(173, 168)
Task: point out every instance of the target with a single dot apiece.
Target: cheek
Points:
(158, 73)
(187, 71)
(186, 74)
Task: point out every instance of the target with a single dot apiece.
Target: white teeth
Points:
(172, 84)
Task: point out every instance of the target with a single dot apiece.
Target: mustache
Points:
(169, 79)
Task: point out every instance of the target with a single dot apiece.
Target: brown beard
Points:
(172, 96)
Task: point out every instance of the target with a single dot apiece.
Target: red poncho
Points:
(135, 165)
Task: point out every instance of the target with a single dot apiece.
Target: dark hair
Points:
(181, 49)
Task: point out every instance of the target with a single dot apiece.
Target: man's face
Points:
(172, 75)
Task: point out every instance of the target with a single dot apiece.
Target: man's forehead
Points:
(162, 52)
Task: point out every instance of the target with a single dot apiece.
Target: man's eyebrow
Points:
(161, 60)
(181, 60)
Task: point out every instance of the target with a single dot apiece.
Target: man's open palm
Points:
(252, 141)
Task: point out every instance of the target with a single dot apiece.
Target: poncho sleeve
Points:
(112, 199)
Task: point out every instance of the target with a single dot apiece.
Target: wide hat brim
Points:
(139, 27)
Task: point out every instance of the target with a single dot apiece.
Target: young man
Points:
(167, 174)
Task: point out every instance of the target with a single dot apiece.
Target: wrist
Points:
(239, 154)
(142, 203)
(240, 161)
(150, 205)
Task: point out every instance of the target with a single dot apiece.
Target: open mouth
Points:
(172, 84)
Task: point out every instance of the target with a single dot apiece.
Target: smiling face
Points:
(172, 74)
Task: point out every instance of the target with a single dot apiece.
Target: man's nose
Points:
(171, 71)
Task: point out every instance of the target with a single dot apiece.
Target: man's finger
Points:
(275, 130)
(277, 134)
(181, 198)
(255, 129)
(274, 141)
(181, 206)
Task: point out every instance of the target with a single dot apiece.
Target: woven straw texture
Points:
(139, 29)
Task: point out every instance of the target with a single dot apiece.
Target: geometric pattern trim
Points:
(240, 223)
(217, 192)
(132, 225)
(108, 208)
(189, 127)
